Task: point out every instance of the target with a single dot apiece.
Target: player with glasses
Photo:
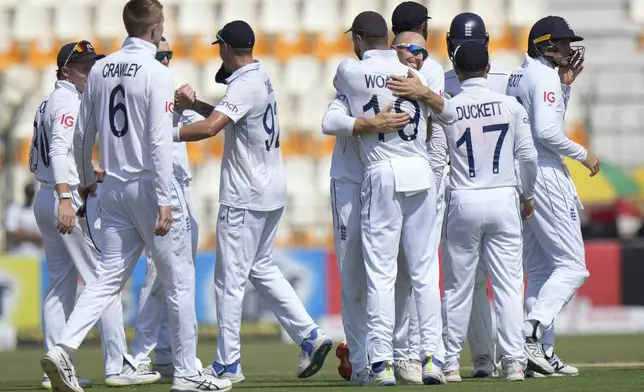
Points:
(152, 331)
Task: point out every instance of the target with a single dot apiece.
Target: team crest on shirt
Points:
(343, 233)
(573, 213)
(269, 86)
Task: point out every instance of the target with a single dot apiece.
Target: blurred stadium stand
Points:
(301, 43)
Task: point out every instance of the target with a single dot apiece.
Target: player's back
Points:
(121, 88)
(481, 141)
(252, 171)
(364, 83)
(497, 78)
(59, 109)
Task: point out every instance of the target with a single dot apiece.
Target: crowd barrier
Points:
(611, 301)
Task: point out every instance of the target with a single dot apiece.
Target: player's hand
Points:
(184, 98)
(409, 87)
(528, 208)
(165, 221)
(569, 73)
(592, 163)
(66, 216)
(100, 174)
(389, 120)
(84, 194)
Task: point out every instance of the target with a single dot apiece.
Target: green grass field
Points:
(608, 363)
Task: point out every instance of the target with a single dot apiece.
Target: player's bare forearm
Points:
(203, 108)
(364, 125)
(204, 129)
(433, 101)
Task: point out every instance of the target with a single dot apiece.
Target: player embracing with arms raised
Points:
(398, 202)
(483, 209)
(252, 195)
(128, 102)
(554, 255)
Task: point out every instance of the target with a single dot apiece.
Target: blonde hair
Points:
(139, 15)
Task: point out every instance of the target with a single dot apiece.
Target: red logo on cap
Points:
(549, 96)
(67, 120)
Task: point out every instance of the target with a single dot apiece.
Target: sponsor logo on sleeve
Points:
(228, 105)
(169, 107)
(549, 96)
(67, 120)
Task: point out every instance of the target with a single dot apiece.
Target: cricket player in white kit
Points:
(483, 213)
(128, 97)
(69, 246)
(152, 330)
(394, 201)
(471, 27)
(345, 198)
(554, 248)
(252, 197)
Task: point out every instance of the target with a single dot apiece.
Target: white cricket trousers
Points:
(245, 240)
(345, 203)
(68, 257)
(392, 219)
(483, 223)
(554, 255)
(152, 329)
(129, 215)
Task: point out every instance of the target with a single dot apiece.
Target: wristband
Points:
(65, 195)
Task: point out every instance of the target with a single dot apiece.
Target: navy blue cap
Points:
(471, 56)
(552, 28)
(236, 34)
(76, 51)
(407, 16)
(369, 24)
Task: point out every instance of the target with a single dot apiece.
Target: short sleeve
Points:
(237, 101)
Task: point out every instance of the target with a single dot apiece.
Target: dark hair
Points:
(374, 42)
(163, 39)
(415, 29)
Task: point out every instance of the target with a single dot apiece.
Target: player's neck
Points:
(242, 62)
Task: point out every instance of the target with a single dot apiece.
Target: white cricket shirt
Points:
(536, 85)
(128, 100)
(51, 145)
(252, 170)
(365, 84)
(497, 78)
(345, 161)
(180, 162)
(491, 129)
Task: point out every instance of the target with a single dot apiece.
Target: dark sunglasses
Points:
(414, 49)
(164, 54)
(80, 47)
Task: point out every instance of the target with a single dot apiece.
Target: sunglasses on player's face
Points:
(167, 54)
(414, 49)
(80, 47)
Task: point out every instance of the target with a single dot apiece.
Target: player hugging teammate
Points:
(482, 173)
(494, 166)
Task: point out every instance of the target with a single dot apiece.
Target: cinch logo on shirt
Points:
(549, 96)
(67, 120)
(230, 106)
(169, 107)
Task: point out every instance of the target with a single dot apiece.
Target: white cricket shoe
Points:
(60, 370)
(561, 368)
(452, 376)
(432, 371)
(536, 358)
(314, 351)
(408, 372)
(512, 371)
(131, 376)
(229, 372)
(83, 382)
(359, 379)
(382, 375)
(200, 382)
(484, 367)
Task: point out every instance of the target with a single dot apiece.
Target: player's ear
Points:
(487, 69)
